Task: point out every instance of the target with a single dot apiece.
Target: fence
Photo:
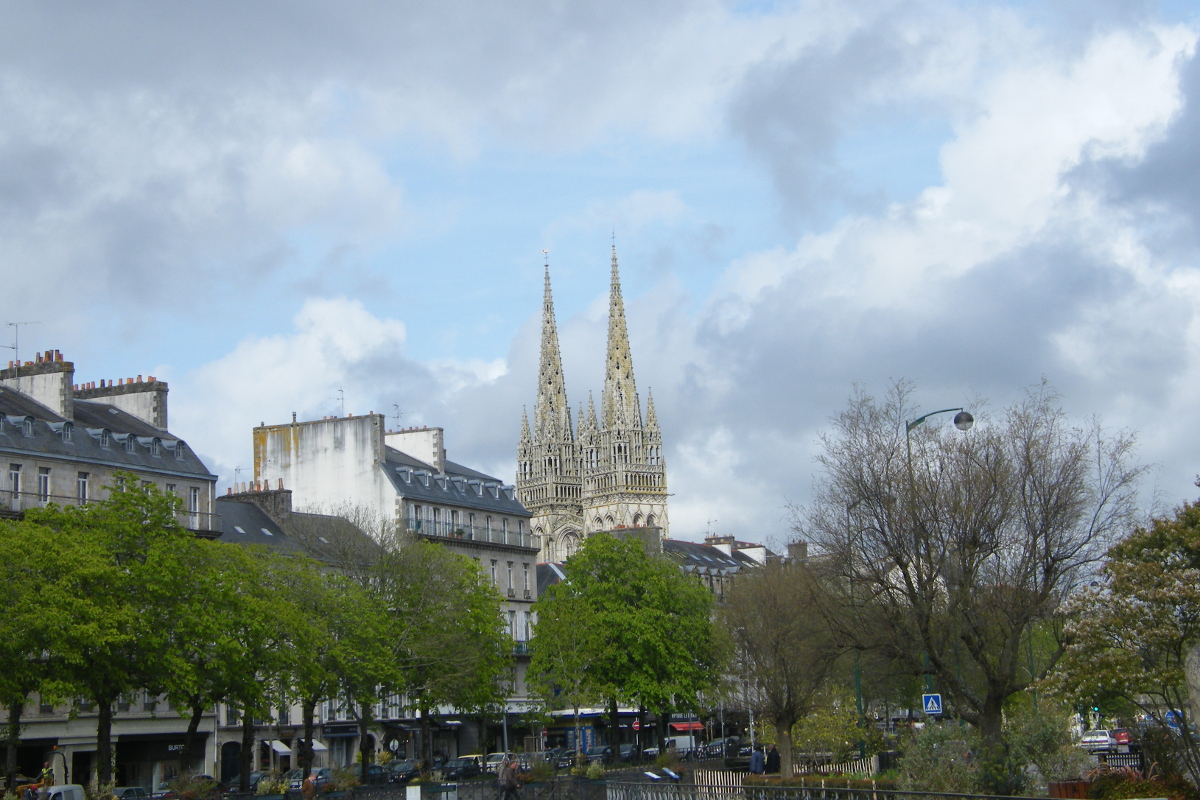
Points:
(621, 790)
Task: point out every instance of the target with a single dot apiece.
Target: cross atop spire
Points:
(551, 412)
(619, 403)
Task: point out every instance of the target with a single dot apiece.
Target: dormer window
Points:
(63, 429)
(130, 443)
(105, 437)
(154, 445)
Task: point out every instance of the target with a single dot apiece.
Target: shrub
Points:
(595, 770)
(941, 758)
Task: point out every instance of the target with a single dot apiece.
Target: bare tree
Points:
(950, 558)
(784, 647)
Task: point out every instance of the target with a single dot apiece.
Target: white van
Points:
(68, 791)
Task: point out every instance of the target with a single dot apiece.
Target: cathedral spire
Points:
(619, 404)
(651, 417)
(552, 412)
(525, 437)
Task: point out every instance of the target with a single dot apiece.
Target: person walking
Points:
(757, 763)
(507, 778)
(772, 765)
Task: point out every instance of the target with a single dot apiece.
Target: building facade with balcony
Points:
(63, 443)
(348, 465)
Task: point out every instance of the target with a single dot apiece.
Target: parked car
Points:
(719, 748)
(130, 793)
(322, 777)
(601, 753)
(1098, 741)
(293, 779)
(376, 774)
(463, 768)
(404, 771)
(492, 764)
(1127, 740)
(565, 760)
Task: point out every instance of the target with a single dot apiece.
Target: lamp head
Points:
(963, 421)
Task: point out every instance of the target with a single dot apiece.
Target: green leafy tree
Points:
(649, 635)
(37, 568)
(125, 574)
(1133, 632)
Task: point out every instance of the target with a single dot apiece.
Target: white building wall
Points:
(328, 464)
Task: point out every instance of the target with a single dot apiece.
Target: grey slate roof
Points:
(452, 488)
(704, 558)
(243, 522)
(45, 437)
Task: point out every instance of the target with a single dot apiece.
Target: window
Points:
(81, 487)
(193, 504)
(416, 517)
(119, 483)
(520, 527)
(130, 441)
(471, 521)
(525, 571)
(14, 482)
(169, 488)
(104, 437)
(487, 525)
(44, 484)
(66, 432)
(494, 572)
(154, 447)
(527, 626)
(512, 624)
(504, 527)
(510, 582)
(150, 702)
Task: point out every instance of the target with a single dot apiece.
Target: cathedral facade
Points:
(604, 473)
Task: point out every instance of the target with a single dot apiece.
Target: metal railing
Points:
(473, 533)
(661, 790)
(25, 501)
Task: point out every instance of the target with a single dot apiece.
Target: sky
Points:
(313, 207)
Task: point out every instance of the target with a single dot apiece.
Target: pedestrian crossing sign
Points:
(932, 703)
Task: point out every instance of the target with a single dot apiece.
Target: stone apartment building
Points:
(403, 477)
(63, 443)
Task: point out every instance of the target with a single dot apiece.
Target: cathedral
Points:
(604, 473)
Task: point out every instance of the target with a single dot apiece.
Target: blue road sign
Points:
(932, 703)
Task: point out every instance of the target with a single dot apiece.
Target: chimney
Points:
(49, 381)
(146, 400)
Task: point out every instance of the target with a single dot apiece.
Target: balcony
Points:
(14, 503)
(460, 532)
(520, 648)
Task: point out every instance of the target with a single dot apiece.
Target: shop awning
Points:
(687, 726)
(318, 747)
(281, 748)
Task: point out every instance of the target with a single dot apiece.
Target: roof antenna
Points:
(710, 524)
(399, 414)
(15, 346)
(341, 398)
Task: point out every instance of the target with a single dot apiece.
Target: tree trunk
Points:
(363, 749)
(783, 741)
(189, 736)
(614, 737)
(104, 776)
(991, 722)
(427, 738)
(578, 741)
(246, 757)
(660, 728)
(1191, 672)
(14, 739)
(307, 708)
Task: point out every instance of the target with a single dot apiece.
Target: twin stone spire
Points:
(605, 474)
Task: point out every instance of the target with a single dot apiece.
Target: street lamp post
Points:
(858, 698)
(963, 421)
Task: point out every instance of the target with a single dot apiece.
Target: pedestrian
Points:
(757, 763)
(772, 761)
(507, 778)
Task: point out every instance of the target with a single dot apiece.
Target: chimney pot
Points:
(139, 378)
(281, 484)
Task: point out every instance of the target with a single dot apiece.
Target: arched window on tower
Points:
(650, 521)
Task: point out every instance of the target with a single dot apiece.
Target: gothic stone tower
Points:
(624, 477)
(613, 475)
(548, 479)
